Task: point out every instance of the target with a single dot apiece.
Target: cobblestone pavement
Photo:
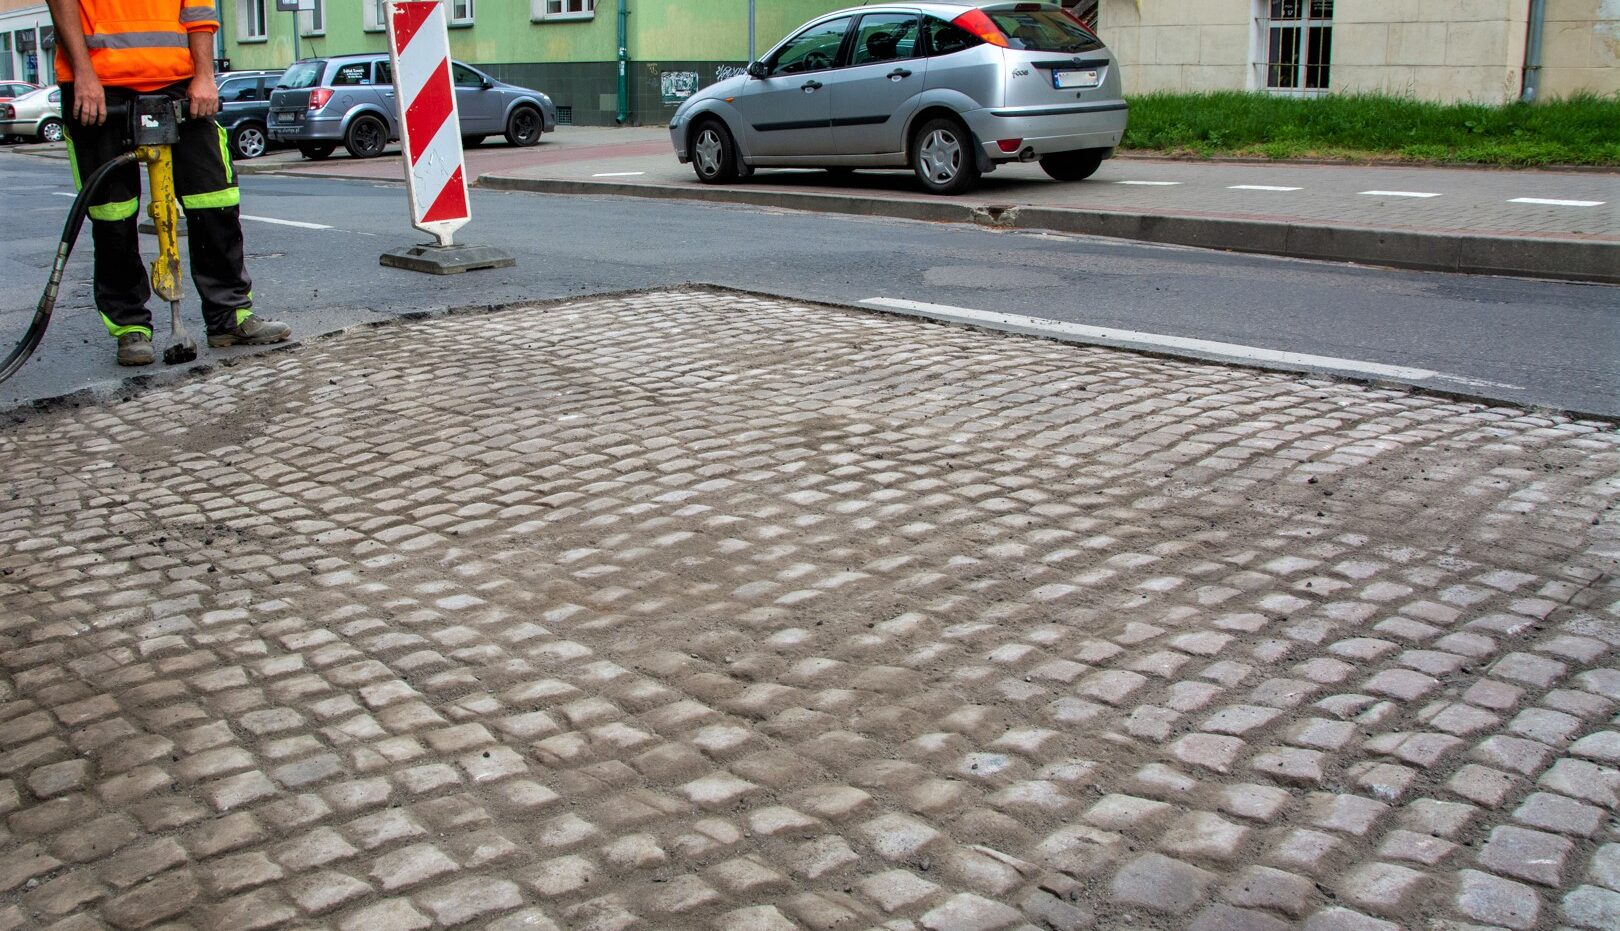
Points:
(697, 610)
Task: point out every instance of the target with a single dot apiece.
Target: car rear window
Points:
(303, 74)
(1044, 31)
(945, 38)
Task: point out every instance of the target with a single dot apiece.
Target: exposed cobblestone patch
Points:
(696, 610)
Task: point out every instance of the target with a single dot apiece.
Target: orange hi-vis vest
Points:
(140, 44)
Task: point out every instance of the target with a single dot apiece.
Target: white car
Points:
(948, 89)
(36, 115)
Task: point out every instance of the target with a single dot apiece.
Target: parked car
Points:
(349, 99)
(244, 110)
(948, 89)
(35, 115)
(10, 89)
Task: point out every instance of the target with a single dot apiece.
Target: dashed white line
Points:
(1557, 203)
(1151, 183)
(618, 174)
(302, 226)
(1262, 187)
(1202, 348)
(1398, 194)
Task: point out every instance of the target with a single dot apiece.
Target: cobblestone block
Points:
(1497, 901)
(1160, 884)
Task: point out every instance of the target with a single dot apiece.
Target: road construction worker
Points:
(114, 50)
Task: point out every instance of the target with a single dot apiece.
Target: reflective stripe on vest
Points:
(139, 40)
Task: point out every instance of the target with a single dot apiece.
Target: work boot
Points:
(135, 349)
(252, 331)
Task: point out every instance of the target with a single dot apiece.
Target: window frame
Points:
(374, 16)
(852, 41)
(468, 14)
(312, 22)
(1310, 73)
(539, 12)
(245, 15)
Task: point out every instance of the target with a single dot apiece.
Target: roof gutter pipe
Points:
(624, 63)
(1532, 51)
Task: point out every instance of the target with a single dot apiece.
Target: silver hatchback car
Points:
(948, 89)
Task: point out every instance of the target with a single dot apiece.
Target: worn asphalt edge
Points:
(130, 385)
(1520, 257)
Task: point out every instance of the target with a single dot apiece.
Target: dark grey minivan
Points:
(321, 103)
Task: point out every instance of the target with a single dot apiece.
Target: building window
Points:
(563, 9)
(1296, 40)
(312, 18)
(461, 12)
(250, 20)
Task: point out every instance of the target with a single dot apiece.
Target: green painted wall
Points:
(575, 61)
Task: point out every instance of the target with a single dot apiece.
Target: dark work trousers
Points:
(205, 183)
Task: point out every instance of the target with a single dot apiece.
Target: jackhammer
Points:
(151, 125)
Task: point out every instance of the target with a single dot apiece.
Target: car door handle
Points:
(898, 74)
(811, 87)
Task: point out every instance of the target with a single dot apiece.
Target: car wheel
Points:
(471, 142)
(524, 126)
(51, 131)
(319, 152)
(1072, 166)
(366, 138)
(714, 154)
(248, 141)
(943, 158)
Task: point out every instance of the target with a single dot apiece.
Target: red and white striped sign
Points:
(430, 128)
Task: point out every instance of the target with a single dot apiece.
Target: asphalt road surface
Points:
(313, 248)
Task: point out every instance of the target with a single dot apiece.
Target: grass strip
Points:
(1579, 130)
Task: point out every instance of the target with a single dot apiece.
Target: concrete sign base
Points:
(447, 260)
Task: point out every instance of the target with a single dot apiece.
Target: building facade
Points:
(27, 42)
(1444, 50)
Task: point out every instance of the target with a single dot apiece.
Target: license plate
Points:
(284, 117)
(1067, 79)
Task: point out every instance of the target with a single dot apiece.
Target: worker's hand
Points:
(202, 97)
(89, 100)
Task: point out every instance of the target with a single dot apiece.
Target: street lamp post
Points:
(750, 31)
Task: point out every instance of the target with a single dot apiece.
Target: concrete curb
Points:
(1527, 257)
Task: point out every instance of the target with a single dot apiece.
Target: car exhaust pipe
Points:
(1028, 155)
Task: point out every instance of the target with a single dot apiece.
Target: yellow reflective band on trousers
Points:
(230, 197)
(73, 161)
(242, 313)
(225, 156)
(118, 331)
(122, 210)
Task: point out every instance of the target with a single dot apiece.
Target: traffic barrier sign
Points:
(430, 137)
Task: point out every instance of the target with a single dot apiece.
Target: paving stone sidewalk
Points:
(699, 610)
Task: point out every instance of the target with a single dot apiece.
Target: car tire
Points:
(248, 140)
(471, 142)
(1072, 166)
(943, 158)
(51, 131)
(713, 153)
(318, 152)
(367, 137)
(524, 126)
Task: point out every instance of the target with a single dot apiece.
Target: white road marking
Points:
(302, 226)
(1557, 203)
(1398, 194)
(64, 194)
(1202, 348)
(618, 174)
(1261, 187)
(1151, 183)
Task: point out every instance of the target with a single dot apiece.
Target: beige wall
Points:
(1175, 45)
(1448, 50)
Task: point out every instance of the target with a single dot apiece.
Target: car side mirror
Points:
(756, 69)
(487, 84)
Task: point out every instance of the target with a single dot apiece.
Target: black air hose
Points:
(47, 300)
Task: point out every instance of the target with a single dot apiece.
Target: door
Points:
(480, 108)
(877, 92)
(787, 112)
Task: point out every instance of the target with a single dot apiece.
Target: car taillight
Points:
(976, 22)
(7, 111)
(318, 97)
